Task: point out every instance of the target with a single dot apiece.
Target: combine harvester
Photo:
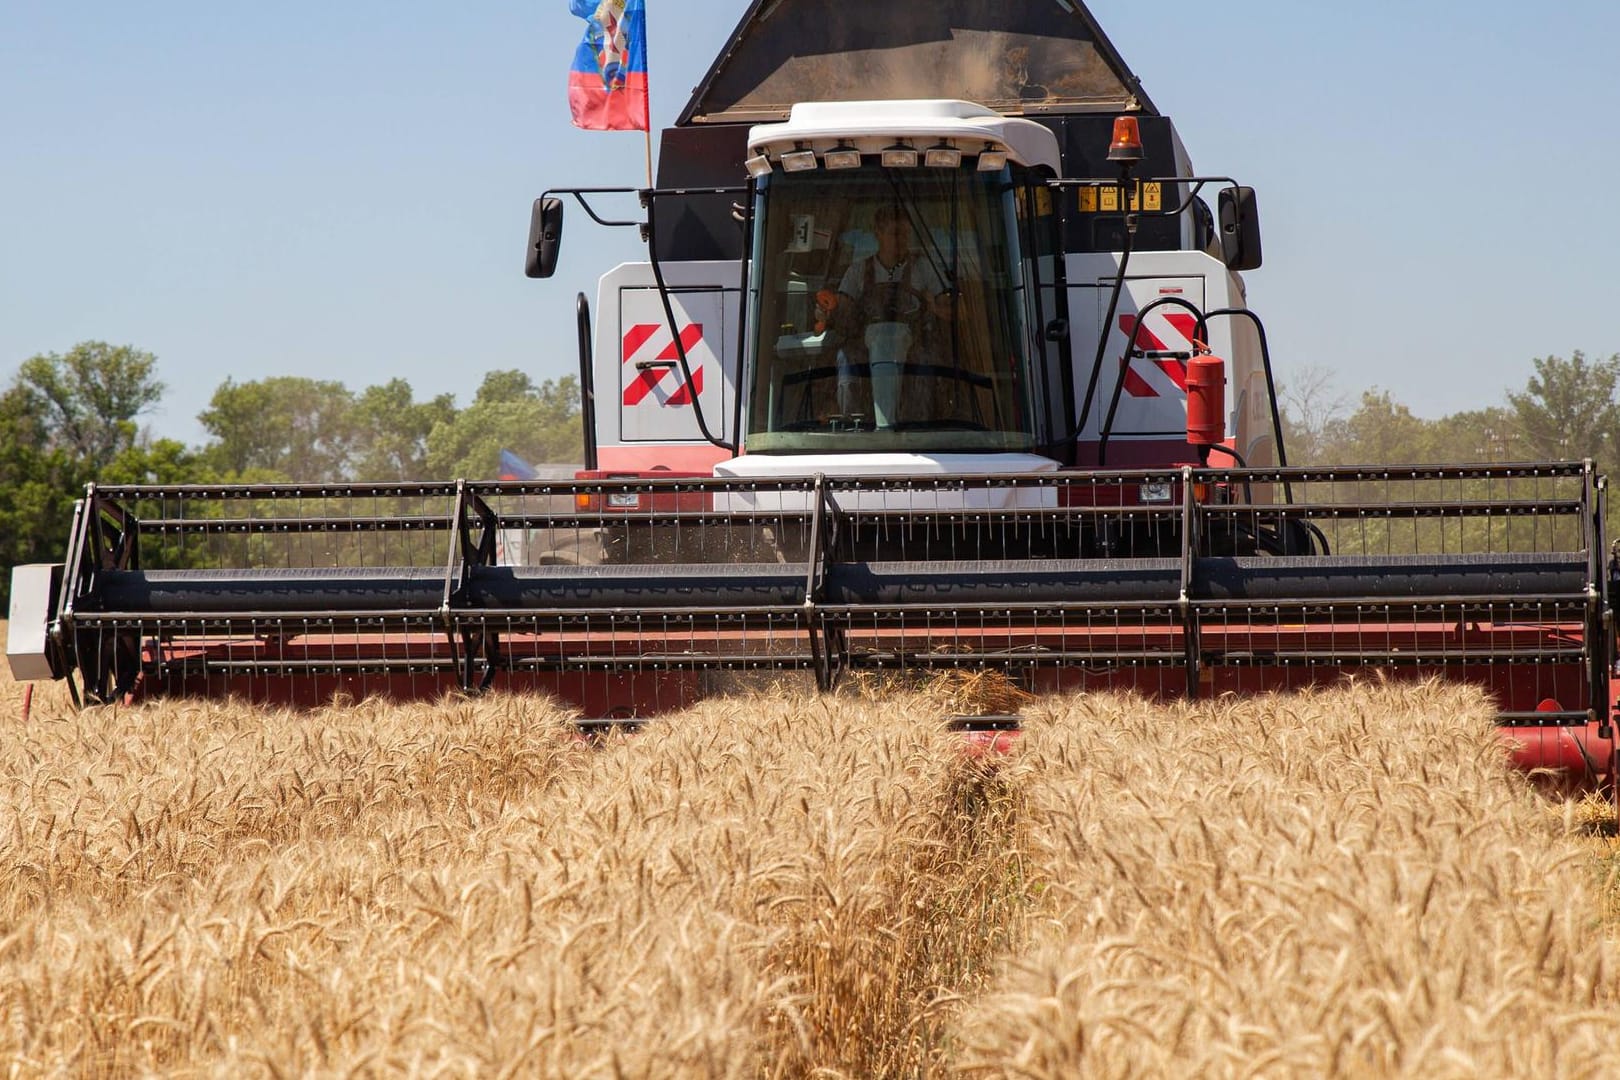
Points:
(908, 383)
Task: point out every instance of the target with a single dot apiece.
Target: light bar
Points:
(900, 156)
(942, 157)
(758, 167)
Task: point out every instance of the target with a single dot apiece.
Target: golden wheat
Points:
(466, 889)
(1334, 884)
(784, 885)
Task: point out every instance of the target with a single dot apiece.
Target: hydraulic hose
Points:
(1113, 309)
(675, 332)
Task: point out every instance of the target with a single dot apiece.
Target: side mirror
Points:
(545, 238)
(1240, 228)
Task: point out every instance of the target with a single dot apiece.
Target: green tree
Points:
(1381, 431)
(539, 423)
(89, 398)
(391, 431)
(1313, 411)
(1568, 409)
(158, 461)
(312, 430)
(296, 428)
(1476, 435)
(38, 484)
(67, 419)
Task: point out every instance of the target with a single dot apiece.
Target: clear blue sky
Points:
(341, 190)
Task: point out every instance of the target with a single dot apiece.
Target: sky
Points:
(341, 190)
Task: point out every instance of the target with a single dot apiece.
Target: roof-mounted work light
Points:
(942, 156)
(758, 166)
(800, 160)
(1126, 147)
(992, 160)
(842, 156)
(900, 156)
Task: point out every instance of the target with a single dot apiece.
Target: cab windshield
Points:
(890, 314)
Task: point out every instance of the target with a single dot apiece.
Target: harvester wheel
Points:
(1292, 537)
(1284, 538)
(568, 547)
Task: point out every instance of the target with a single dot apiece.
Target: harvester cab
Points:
(903, 303)
(905, 293)
(940, 360)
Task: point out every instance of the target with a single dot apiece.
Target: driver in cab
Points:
(890, 285)
(885, 307)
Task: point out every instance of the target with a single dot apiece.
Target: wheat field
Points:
(1347, 883)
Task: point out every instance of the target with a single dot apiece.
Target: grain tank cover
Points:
(1033, 56)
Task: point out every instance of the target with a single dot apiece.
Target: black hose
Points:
(1124, 368)
(675, 331)
(1113, 309)
(587, 382)
(1271, 388)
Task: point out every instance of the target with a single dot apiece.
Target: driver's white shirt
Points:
(917, 273)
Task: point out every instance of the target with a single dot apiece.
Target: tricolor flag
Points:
(515, 468)
(607, 88)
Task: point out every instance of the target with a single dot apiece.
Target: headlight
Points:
(1157, 491)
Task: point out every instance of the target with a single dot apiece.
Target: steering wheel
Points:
(915, 303)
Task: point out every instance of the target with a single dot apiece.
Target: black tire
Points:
(566, 547)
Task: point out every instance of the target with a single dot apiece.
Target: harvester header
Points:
(940, 359)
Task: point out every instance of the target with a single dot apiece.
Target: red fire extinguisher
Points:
(1206, 400)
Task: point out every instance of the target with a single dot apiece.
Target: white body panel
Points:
(770, 466)
(31, 593)
(641, 398)
(1153, 407)
(776, 466)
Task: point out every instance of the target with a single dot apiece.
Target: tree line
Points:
(1567, 410)
(70, 418)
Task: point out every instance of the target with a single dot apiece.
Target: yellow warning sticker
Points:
(1148, 196)
(1043, 201)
